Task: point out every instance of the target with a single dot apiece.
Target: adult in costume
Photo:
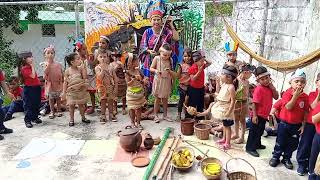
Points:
(153, 38)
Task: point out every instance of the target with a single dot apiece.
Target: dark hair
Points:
(260, 70)
(246, 67)
(22, 57)
(166, 46)
(189, 53)
(13, 80)
(41, 79)
(197, 55)
(70, 57)
(234, 70)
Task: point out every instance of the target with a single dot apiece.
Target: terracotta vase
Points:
(148, 141)
(130, 139)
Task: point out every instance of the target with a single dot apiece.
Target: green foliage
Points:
(216, 10)
(9, 16)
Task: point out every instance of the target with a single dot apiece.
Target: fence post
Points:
(77, 19)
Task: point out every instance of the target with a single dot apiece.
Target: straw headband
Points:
(105, 38)
(262, 74)
(50, 47)
(225, 71)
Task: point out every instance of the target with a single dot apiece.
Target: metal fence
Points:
(57, 23)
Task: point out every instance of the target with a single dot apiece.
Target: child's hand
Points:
(254, 120)
(271, 86)
(11, 96)
(297, 92)
(301, 129)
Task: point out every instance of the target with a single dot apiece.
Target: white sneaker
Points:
(43, 112)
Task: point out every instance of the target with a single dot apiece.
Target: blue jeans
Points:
(31, 102)
(2, 115)
(315, 150)
(255, 133)
(304, 148)
(15, 106)
(287, 140)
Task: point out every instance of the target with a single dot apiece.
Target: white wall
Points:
(32, 40)
(292, 30)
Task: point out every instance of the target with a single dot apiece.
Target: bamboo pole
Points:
(156, 154)
(166, 152)
(167, 161)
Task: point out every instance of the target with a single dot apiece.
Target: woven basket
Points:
(192, 155)
(202, 131)
(239, 175)
(210, 160)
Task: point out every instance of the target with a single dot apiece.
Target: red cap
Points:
(156, 13)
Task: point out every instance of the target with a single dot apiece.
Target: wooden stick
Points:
(166, 152)
(167, 161)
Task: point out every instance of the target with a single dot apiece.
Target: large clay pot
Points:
(148, 141)
(130, 139)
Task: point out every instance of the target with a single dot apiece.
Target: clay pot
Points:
(130, 139)
(148, 141)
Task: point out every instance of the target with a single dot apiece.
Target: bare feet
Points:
(239, 141)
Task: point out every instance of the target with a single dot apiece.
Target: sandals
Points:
(140, 127)
(239, 141)
(156, 119)
(90, 110)
(51, 116)
(71, 123)
(85, 120)
(103, 119)
(59, 114)
(114, 119)
(167, 119)
(226, 146)
(221, 141)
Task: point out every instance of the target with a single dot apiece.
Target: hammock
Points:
(282, 66)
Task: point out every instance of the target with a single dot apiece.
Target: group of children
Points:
(296, 112)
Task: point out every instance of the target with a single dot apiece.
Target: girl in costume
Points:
(88, 64)
(184, 79)
(135, 91)
(31, 89)
(118, 68)
(162, 83)
(241, 108)
(106, 80)
(223, 108)
(75, 87)
(53, 75)
(210, 89)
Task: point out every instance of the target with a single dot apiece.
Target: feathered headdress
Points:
(234, 47)
(155, 8)
(78, 44)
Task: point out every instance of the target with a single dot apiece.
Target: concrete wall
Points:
(32, 40)
(291, 30)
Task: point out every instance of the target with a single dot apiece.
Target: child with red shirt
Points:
(315, 149)
(4, 87)
(196, 86)
(309, 130)
(17, 104)
(261, 107)
(31, 90)
(294, 107)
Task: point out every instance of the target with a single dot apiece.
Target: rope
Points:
(282, 66)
